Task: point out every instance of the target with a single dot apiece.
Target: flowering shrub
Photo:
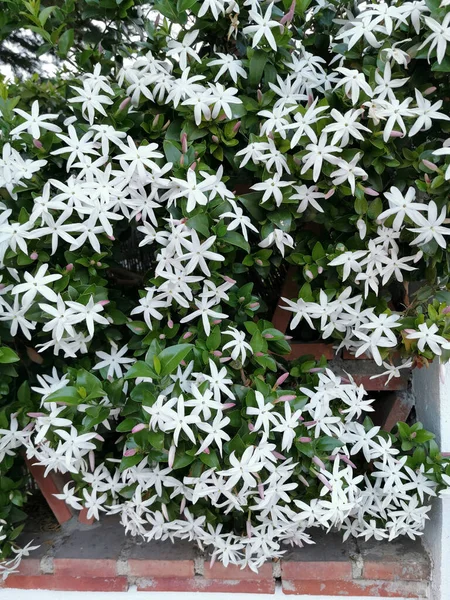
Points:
(144, 208)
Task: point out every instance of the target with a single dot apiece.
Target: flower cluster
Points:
(140, 221)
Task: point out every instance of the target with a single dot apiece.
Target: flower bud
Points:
(103, 302)
(430, 90)
(34, 256)
(281, 380)
(395, 134)
(165, 512)
(69, 267)
(170, 324)
(37, 144)
(278, 455)
(286, 398)
(330, 193)
(268, 336)
(259, 95)
(138, 427)
(370, 191)
(320, 270)
(316, 460)
(446, 310)
(303, 480)
(304, 440)
(429, 165)
(217, 353)
(124, 103)
(187, 335)
(237, 126)
(130, 452)
(155, 120)
(193, 166)
(99, 264)
(172, 455)
(215, 139)
(184, 144)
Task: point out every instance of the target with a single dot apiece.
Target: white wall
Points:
(432, 390)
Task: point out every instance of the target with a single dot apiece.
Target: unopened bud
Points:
(395, 134)
(215, 139)
(34, 256)
(430, 90)
(166, 125)
(330, 193)
(217, 353)
(430, 165)
(304, 440)
(37, 144)
(370, 191)
(69, 267)
(172, 455)
(103, 302)
(259, 95)
(237, 127)
(155, 120)
(184, 144)
(281, 379)
(139, 427)
(182, 160)
(162, 336)
(170, 324)
(187, 335)
(193, 166)
(130, 452)
(124, 103)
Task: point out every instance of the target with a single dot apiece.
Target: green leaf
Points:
(140, 369)
(156, 439)
(65, 42)
(172, 356)
(256, 67)
(45, 13)
(67, 395)
(7, 356)
(127, 424)
(213, 340)
(200, 223)
(211, 460)
(236, 239)
(327, 444)
(318, 251)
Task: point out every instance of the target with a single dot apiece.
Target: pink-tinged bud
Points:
(182, 505)
(196, 154)
(241, 299)
(158, 18)
(2, 286)
(99, 264)
(228, 405)
(395, 134)
(170, 324)
(69, 267)
(124, 103)
(297, 161)
(162, 336)
(309, 274)
(182, 160)
(207, 450)
(37, 144)
(430, 165)
(278, 455)
(193, 166)
(138, 217)
(183, 363)
(303, 480)
(259, 354)
(111, 237)
(103, 302)
(217, 353)
(430, 90)
(446, 310)
(270, 135)
(259, 262)
(215, 139)
(237, 127)
(184, 143)
(268, 336)
(320, 270)
(330, 193)
(99, 438)
(248, 526)
(228, 279)
(310, 423)
(259, 95)
(408, 331)
(34, 256)
(155, 120)
(413, 435)
(288, 337)
(304, 440)
(100, 48)
(281, 379)
(316, 370)
(253, 305)
(172, 451)
(187, 335)
(310, 99)
(222, 117)
(427, 179)
(36, 415)
(251, 427)
(92, 263)
(286, 398)
(216, 321)
(289, 15)
(316, 460)
(370, 191)
(347, 460)
(325, 481)
(139, 427)
(130, 452)
(92, 460)
(165, 512)
(166, 125)
(224, 359)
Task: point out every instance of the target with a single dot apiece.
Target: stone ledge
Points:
(101, 558)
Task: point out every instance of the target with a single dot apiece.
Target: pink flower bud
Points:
(92, 460)
(217, 353)
(278, 455)
(222, 117)
(310, 423)
(99, 264)
(35, 415)
(261, 490)
(310, 99)
(251, 427)
(184, 144)
(370, 191)
(316, 370)
(170, 324)
(281, 379)
(138, 427)
(215, 139)
(259, 262)
(99, 438)
(430, 90)
(430, 165)
(330, 193)
(183, 363)
(446, 310)
(172, 451)
(103, 302)
(286, 398)
(303, 480)
(289, 15)
(193, 166)
(395, 134)
(37, 144)
(248, 526)
(408, 331)
(347, 461)
(259, 95)
(155, 120)
(325, 481)
(130, 452)
(69, 267)
(182, 505)
(268, 336)
(228, 405)
(207, 450)
(225, 359)
(165, 512)
(309, 274)
(320, 270)
(253, 305)
(304, 440)
(166, 126)
(237, 127)
(111, 237)
(138, 217)
(228, 279)
(34, 256)
(259, 354)
(427, 179)
(413, 435)
(182, 160)
(124, 103)
(216, 321)
(187, 335)
(316, 460)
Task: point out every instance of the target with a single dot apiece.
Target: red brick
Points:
(374, 589)
(281, 318)
(334, 570)
(50, 485)
(399, 410)
(380, 383)
(86, 567)
(218, 571)
(199, 584)
(66, 583)
(317, 349)
(30, 566)
(390, 571)
(160, 568)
